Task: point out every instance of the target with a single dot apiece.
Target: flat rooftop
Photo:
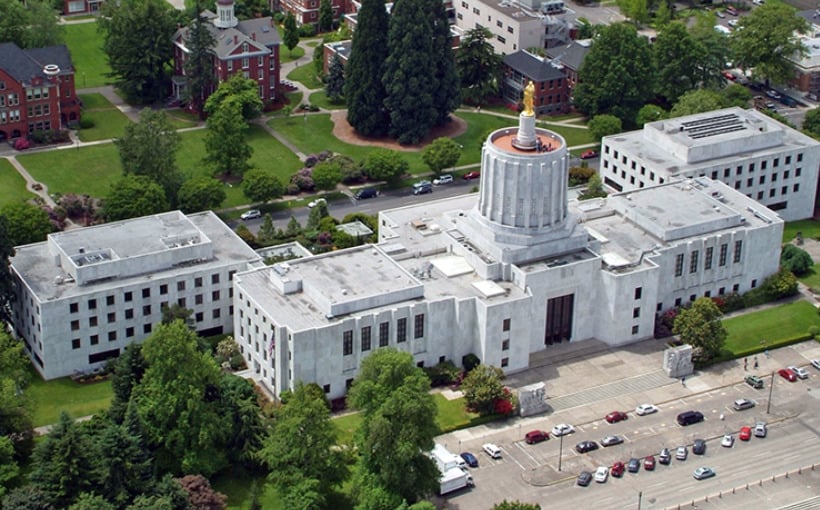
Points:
(549, 141)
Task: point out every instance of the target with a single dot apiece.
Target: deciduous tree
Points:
(364, 90)
(261, 186)
(700, 327)
(237, 88)
(25, 223)
(713, 47)
(650, 113)
(327, 174)
(385, 164)
(794, 259)
(30, 24)
(200, 494)
(676, 56)
(482, 387)
(440, 154)
(226, 144)
(698, 101)
(133, 196)
(201, 194)
(811, 123)
(736, 94)
(604, 125)
(516, 505)
(478, 66)
(635, 10)
(88, 501)
(8, 463)
(6, 282)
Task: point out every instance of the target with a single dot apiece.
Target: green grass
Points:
(320, 99)
(109, 122)
(286, 56)
(306, 75)
(775, 326)
(294, 99)
(87, 170)
(12, 185)
(90, 62)
(53, 397)
(809, 228)
(236, 484)
(181, 119)
(812, 277)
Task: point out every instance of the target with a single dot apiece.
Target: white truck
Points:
(445, 459)
(454, 479)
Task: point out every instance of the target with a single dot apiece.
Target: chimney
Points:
(235, 39)
(253, 36)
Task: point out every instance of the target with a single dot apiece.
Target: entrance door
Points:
(559, 319)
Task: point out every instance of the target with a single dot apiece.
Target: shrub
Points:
(237, 362)
(86, 123)
(292, 189)
(579, 175)
(796, 260)
(470, 361)
(303, 179)
(442, 374)
(307, 30)
(814, 330)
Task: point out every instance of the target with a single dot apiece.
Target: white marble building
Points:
(749, 151)
(84, 294)
(504, 273)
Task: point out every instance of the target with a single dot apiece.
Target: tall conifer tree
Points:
(446, 89)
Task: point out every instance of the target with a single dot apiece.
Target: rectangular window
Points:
(244, 62)
(146, 310)
(163, 289)
(129, 332)
(146, 293)
(112, 317)
(92, 304)
(635, 329)
(636, 312)
(797, 172)
(73, 307)
(799, 157)
(180, 286)
(198, 299)
(109, 300)
(707, 261)
(737, 253)
(505, 345)
(112, 336)
(638, 292)
(365, 338)
(679, 265)
(216, 313)
(418, 329)
(505, 362)
(199, 317)
(181, 302)
(129, 313)
(215, 278)
(198, 281)
(75, 343)
(94, 339)
(129, 296)
(92, 321)
(505, 326)
(347, 342)
(146, 328)
(724, 248)
(693, 262)
(401, 330)
(384, 334)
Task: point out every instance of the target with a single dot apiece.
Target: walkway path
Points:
(31, 183)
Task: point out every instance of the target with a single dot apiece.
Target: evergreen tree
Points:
(478, 66)
(128, 371)
(267, 232)
(325, 16)
(291, 37)
(294, 228)
(335, 83)
(199, 66)
(446, 89)
(6, 287)
(363, 87)
(126, 465)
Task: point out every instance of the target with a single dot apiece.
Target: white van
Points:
(492, 450)
(723, 30)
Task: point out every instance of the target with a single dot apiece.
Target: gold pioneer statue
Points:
(529, 92)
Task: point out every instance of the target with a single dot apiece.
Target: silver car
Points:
(799, 372)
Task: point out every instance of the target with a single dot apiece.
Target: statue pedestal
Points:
(532, 399)
(525, 140)
(677, 361)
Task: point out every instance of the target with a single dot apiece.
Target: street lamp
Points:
(560, 450)
(771, 389)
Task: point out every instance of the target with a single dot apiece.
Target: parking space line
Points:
(524, 450)
(516, 461)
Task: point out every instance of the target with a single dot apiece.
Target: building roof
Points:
(24, 65)
(533, 67)
(260, 33)
(571, 55)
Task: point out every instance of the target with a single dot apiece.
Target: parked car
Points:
(471, 175)
(731, 10)
(699, 447)
(611, 440)
(800, 372)
(470, 459)
(367, 193)
(703, 472)
(422, 187)
(758, 2)
(728, 441)
(815, 363)
(617, 469)
(681, 453)
(644, 409)
(584, 477)
(729, 76)
(760, 429)
(601, 474)
(742, 404)
(754, 381)
(773, 94)
(314, 203)
(787, 374)
(252, 214)
(443, 179)
(536, 436)
(586, 446)
(590, 154)
(492, 450)
(633, 465)
(562, 429)
(720, 14)
(665, 457)
(616, 416)
(745, 433)
(732, 23)
(649, 463)
(689, 417)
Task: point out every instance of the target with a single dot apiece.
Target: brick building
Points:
(551, 83)
(250, 47)
(306, 12)
(37, 90)
(81, 6)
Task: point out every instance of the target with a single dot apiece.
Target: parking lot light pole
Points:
(771, 389)
(560, 450)
(640, 495)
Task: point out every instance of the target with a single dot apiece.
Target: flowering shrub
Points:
(506, 405)
(303, 179)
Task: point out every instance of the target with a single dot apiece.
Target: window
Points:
(146, 293)
(737, 253)
(384, 334)
(129, 296)
(754, 283)
(679, 265)
(788, 160)
(347, 342)
(707, 261)
(505, 326)
(505, 345)
(94, 339)
(693, 262)
(244, 62)
(418, 330)
(638, 292)
(797, 172)
(796, 188)
(180, 286)
(92, 321)
(163, 289)
(198, 281)
(502, 40)
(401, 330)
(73, 307)
(215, 278)
(365, 338)
(112, 317)
(636, 312)
(215, 295)
(215, 313)
(112, 336)
(129, 313)
(146, 310)
(722, 257)
(326, 388)
(635, 329)
(799, 157)
(505, 362)
(181, 302)
(199, 317)
(92, 304)
(146, 328)
(735, 287)
(198, 299)
(109, 301)
(75, 343)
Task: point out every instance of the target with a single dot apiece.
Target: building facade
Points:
(85, 294)
(37, 91)
(81, 6)
(749, 151)
(552, 92)
(248, 47)
(505, 273)
(306, 12)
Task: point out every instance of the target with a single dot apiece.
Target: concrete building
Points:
(85, 294)
(37, 91)
(505, 273)
(773, 164)
(249, 47)
(807, 67)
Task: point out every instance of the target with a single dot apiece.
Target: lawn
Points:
(237, 483)
(12, 185)
(58, 395)
(109, 122)
(812, 278)
(181, 119)
(87, 170)
(306, 75)
(773, 325)
(90, 62)
(320, 99)
(286, 56)
(809, 228)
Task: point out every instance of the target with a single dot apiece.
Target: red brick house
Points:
(306, 12)
(81, 6)
(250, 47)
(552, 91)
(36, 90)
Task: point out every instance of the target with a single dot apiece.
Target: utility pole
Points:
(771, 389)
(560, 451)
(640, 495)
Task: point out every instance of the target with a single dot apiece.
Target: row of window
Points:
(10, 116)
(37, 93)
(384, 334)
(694, 257)
(38, 110)
(708, 293)
(12, 99)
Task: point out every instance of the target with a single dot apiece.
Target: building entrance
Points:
(559, 319)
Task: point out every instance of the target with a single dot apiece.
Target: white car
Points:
(732, 23)
(644, 409)
(314, 203)
(562, 429)
(253, 213)
(799, 372)
(601, 474)
(728, 441)
(816, 363)
(492, 450)
(443, 179)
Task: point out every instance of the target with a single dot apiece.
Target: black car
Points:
(699, 447)
(584, 477)
(586, 446)
(367, 193)
(665, 457)
(470, 459)
(689, 417)
(633, 465)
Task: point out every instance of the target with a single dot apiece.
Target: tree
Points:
(149, 148)
(326, 175)
(517, 505)
(294, 228)
(736, 94)
(700, 327)
(167, 494)
(714, 50)
(604, 125)
(300, 450)
(27, 497)
(663, 14)
(385, 164)
(676, 56)
(316, 215)
(226, 145)
(697, 101)
(796, 260)
(482, 387)
(335, 82)
(88, 501)
(617, 75)
(811, 123)
(177, 312)
(243, 90)
(25, 223)
(133, 196)
(767, 41)
(398, 424)
(126, 465)
(267, 231)
(135, 41)
(446, 90)
(201, 194)
(442, 153)
(239, 405)
(364, 90)
(199, 64)
(595, 188)
(261, 186)
(128, 370)
(291, 37)
(8, 464)
(200, 494)
(636, 10)
(6, 281)
(325, 16)
(30, 24)
(177, 402)
(650, 113)
(478, 66)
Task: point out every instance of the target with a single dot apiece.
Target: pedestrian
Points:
(745, 363)
(756, 364)
(683, 381)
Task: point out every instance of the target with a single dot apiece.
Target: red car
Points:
(616, 416)
(729, 76)
(745, 433)
(471, 175)
(731, 10)
(536, 436)
(590, 154)
(617, 469)
(787, 374)
(649, 463)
